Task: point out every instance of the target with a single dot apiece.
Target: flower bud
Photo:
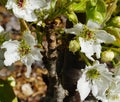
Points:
(116, 21)
(12, 81)
(73, 17)
(74, 46)
(107, 56)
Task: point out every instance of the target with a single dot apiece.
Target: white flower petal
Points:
(101, 84)
(28, 60)
(97, 49)
(9, 4)
(92, 25)
(10, 58)
(11, 55)
(1, 29)
(99, 87)
(75, 30)
(36, 54)
(35, 4)
(30, 39)
(103, 36)
(25, 14)
(10, 45)
(95, 89)
(83, 87)
(117, 71)
(89, 47)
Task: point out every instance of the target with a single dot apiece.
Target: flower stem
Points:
(110, 11)
(113, 49)
(85, 59)
(60, 10)
(24, 25)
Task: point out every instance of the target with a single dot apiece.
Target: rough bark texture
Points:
(55, 91)
(63, 66)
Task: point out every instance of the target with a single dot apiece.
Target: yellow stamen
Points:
(24, 48)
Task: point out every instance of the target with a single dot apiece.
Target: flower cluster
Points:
(90, 38)
(101, 82)
(96, 41)
(96, 78)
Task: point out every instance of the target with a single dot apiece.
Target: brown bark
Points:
(63, 66)
(55, 92)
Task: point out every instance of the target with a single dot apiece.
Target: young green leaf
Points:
(96, 11)
(78, 6)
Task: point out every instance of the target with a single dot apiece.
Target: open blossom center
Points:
(20, 3)
(87, 34)
(112, 96)
(115, 97)
(24, 49)
(92, 74)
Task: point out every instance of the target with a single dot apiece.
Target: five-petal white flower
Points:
(95, 78)
(113, 92)
(25, 8)
(22, 50)
(90, 38)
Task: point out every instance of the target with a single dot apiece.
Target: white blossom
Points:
(90, 38)
(24, 50)
(112, 94)
(25, 8)
(95, 78)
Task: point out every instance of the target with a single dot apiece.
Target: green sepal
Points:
(72, 17)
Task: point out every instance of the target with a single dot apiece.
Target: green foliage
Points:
(1, 58)
(72, 17)
(78, 6)
(3, 2)
(96, 10)
(52, 5)
(115, 21)
(2, 38)
(6, 92)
